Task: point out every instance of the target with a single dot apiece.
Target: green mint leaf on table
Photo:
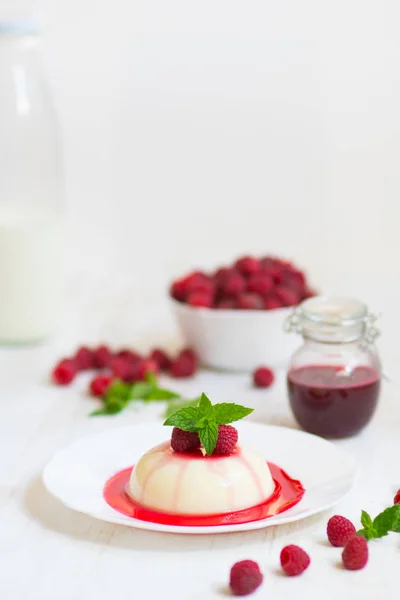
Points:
(208, 435)
(225, 412)
(386, 521)
(151, 379)
(176, 405)
(161, 394)
(185, 418)
(366, 520)
(140, 390)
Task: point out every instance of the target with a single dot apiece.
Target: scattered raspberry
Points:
(129, 355)
(64, 372)
(200, 299)
(260, 283)
(161, 358)
(355, 553)
(228, 303)
(287, 296)
(227, 439)
(121, 368)
(271, 302)
(102, 357)
(250, 302)
(339, 530)
(248, 265)
(233, 285)
(396, 499)
(263, 377)
(294, 560)
(245, 577)
(144, 367)
(184, 441)
(84, 359)
(100, 385)
(185, 365)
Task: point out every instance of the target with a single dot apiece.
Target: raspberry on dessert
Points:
(250, 302)
(260, 283)
(184, 441)
(200, 299)
(245, 577)
(248, 265)
(355, 553)
(263, 377)
(84, 359)
(271, 302)
(64, 372)
(225, 303)
(396, 499)
(287, 296)
(339, 530)
(233, 284)
(227, 439)
(102, 357)
(100, 384)
(294, 560)
(185, 365)
(161, 358)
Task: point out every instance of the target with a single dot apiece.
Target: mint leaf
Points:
(206, 409)
(140, 390)
(151, 379)
(174, 406)
(185, 418)
(369, 534)
(227, 412)
(396, 518)
(208, 436)
(386, 521)
(366, 520)
(118, 389)
(160, 394)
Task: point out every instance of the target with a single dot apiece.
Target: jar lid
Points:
(332, 319)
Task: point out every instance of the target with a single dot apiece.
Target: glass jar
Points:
(31, 193)
(334, 378)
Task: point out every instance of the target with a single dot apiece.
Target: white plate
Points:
(77, 475)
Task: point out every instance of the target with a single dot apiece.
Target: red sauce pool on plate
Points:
(288, 492)
(330, 403)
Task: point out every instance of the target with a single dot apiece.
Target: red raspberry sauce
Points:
(288, 492)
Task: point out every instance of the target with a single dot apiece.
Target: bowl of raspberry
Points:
(234, 316)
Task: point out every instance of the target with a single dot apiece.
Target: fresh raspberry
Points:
(260, 283)
(292, 279)
(184, 441)
(205, 287)
(185, 365)
(121, 368)
(339, 530)
(355, 553)
(271, 302)
(191, 283)
(178, 290)
(129, 355)
(249, 302)
(233, 285)
(268, 261)
(245, 577)
(145, 366)
(225, 303)
(263, 377)
(84, 359)
(221, 274)
(308, 293)
(227, 439)
(396, 499)
(294, 560)
(64, 372)
(287, 296)
(102, 357)
(100, 385)
(200, 299)
(248, 265)
(161, 358)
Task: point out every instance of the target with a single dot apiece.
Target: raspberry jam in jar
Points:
(334, 378)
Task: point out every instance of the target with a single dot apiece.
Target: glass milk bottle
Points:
(31, 194)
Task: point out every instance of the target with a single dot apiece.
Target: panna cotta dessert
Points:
(202, 470)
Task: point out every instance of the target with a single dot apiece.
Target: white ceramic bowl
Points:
(237, 340)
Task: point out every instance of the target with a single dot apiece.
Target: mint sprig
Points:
(384, 523)
(120, 394)
(205, 418)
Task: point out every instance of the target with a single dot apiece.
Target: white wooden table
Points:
(48, 552)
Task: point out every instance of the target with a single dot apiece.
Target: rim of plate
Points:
(108, 514)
